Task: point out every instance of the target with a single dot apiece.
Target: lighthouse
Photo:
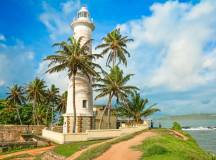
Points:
(82, 26)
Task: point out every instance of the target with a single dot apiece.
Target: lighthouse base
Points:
(83, 123)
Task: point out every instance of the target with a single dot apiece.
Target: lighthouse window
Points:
(85, 14)
(84, 103)
(82, 14)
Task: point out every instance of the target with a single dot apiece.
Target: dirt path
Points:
(32, 152)
(119, 151)
(123, 150)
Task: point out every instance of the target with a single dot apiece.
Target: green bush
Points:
(176, 126)
(156, 149)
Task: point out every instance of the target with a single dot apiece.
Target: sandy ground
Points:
(123, 150)
(32, 152)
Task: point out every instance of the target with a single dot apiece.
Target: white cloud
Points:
(17, 66)
(170, 45)
(58, 22)
(2, 82)
(60, 79)
(2, 37)
(70, 6)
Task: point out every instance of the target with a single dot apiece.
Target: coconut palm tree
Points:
(115, 46)
(52, 97)
(7, 115)
(16, 98)
(36, 94)
(136, 107)
(62, 103)
(76, 59)
(113, 85)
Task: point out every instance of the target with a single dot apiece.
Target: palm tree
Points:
(7, 111)
(36, 94)
(113, 85)
(16, 98)
(136, 108)
(62, 103)
(52, 96)
(114, 45)
(75, 58)
(41, 113)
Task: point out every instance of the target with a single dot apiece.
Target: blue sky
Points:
(173, 55)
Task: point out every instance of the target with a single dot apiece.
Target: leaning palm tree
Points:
(136, 107)
(76, 59)
(113, 85)
(36, 94)
(62, 103)
(52, 97)
(16, 98)
(115, 46)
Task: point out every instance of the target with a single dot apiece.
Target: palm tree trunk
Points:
(109, 116)
(33, 112)
(101, 119)
(102, 115)
(17, 109)
(74, 104)
(35, 118)
(47, 116)
(52, 116)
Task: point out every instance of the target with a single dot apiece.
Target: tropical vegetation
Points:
(114, 45)
(113, 85)
(135, 108)
(33, 103)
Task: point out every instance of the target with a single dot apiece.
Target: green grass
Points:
(17, 149)
(69, 149)
(168, 147)
(98, 150)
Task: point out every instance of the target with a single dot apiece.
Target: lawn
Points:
(168, 147)
(67, 150)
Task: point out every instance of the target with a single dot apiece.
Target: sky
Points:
(173, 56)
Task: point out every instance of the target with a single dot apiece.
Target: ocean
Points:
(201, 128)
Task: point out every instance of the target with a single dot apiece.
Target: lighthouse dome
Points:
(83, 13)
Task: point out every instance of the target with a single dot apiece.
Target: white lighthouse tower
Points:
(82, 26)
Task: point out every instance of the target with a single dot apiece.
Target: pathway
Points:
(123, 150)
(119, 151)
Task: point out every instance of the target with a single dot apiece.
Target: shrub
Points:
(176, 126)
(156, 149)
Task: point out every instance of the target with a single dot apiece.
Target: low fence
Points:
(89, 134)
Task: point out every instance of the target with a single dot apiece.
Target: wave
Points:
(198, 128)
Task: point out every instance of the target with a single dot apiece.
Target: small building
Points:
(97, 111)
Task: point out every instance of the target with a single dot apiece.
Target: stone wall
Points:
(13, 133)
(36, 129)
(104, 125)
(83, 123)
(10, 136)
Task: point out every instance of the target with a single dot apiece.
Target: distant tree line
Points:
(34, 103)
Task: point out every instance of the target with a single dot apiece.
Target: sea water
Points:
(202, 130)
